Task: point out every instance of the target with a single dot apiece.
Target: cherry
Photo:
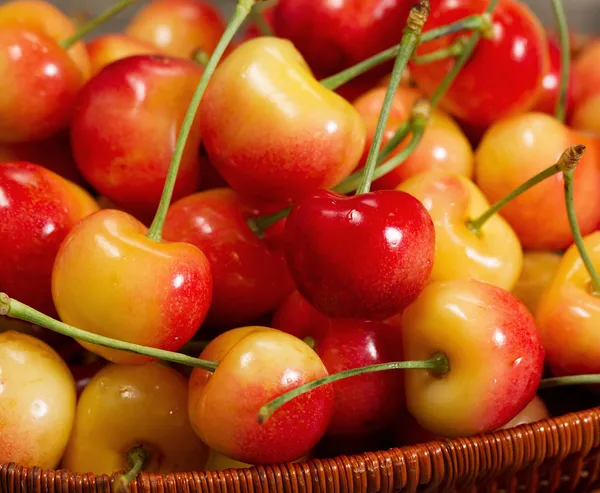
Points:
(363, 404)
(486, 90)
(538, 271)
(260, 364)
(585, 117)
(535, 411)
(303, 137)
(392, 242)
(38, 402)
(179, 27)
(37, 211)
(587, 72)
(250, 276)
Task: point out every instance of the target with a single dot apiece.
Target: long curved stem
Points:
(242, 11)
(136, 458)
(438, 364)
(88, 27)
(452, 51)
(410, 40)
(553, 382)
(565, 59)
(15, 309)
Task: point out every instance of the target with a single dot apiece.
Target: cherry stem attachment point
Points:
(88, 27)
(15, 309)
(136, 458)
(438, 364)
(568, 160)
(410, 40)
(553, 382)
(259, 225)
(240, 14)
(565, 59)
(568, 176)
(452, 51)
(201, 57)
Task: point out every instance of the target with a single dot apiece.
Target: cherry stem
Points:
(452, 51)
(242, 11)
(259, 225)
(472, 23)
(550, 383)
(410, 40)
(438, 364)
(401, 133)
(15, 309)
(568, 160)
(565, 59)
(201, 57)
(88, 27)
(462, 59)
(568, 176)
(136, 458)
(259, 20)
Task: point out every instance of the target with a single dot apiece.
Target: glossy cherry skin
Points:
(124, 148)
(110, 279)
(250, 278)
(494, 255)
(494, 351)
(486, 88)
(259, 364)
(587, 72)
(516, 149)
(38, 402)
(363, 404)
(108, 48)
(39, 85)
(335, 35)
(178, 27)
(443, 146)
(38, 209)
(568, 314)
(366, 257)
(302, 137)
(41, 15)
(124, 407)
(548, 98)
(538, 271)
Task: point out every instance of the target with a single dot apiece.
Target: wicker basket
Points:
(556, 455)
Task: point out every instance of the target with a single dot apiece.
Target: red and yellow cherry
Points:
(260, 364)
(393, 242)
(250, 279)
(586, 116)
(108, 48)
(517, 148)
(494, 352)
(109, 278)
(493, 254)
(333, 36)
(442, 147)
(126, 407)
(535, 411)
(363, 404)
(568, 314)
(40, 15)
(538, 271)
(178, 27)
(486, 89)
(315, 138)
(587, 72)
(548, 98)
(38, 209)
(39, 85)
(38, 402)
(123, 148)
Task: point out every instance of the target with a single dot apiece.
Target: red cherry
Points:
(366, 257)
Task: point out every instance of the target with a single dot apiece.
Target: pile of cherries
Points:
(376, 222)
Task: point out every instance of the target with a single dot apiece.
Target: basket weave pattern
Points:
(556, 455)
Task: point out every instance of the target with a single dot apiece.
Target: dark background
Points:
(582, 14)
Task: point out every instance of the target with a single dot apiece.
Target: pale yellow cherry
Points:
(538, 271)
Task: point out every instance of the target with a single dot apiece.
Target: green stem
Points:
(472, 23)
(201, 57)
(136, 458)
(565, 59)
(401, 133)
(259, 20)
(410, 40)
(452, 51)
(460, 61)
(94, 23)
(550, 383)
(242, 11)
(438, 364)
(15, 309)
(259, 225)
(568, 175)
